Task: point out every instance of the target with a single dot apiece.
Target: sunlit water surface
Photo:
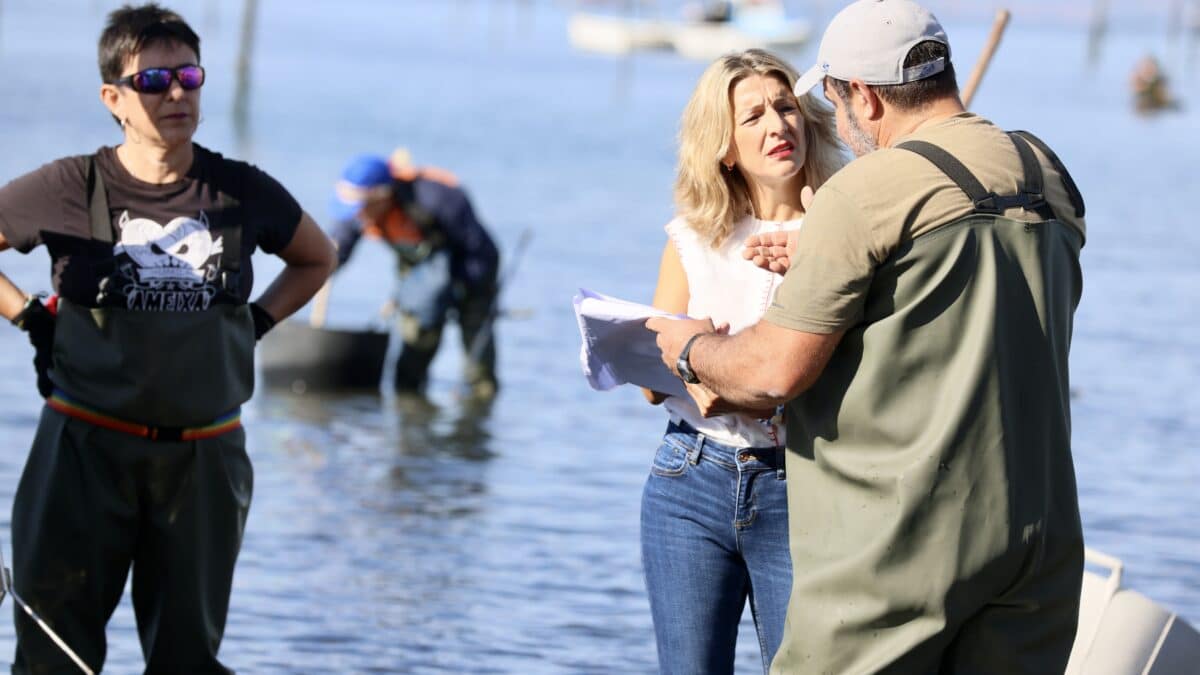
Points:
(421, 536)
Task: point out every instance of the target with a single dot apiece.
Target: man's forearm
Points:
(739, 370)
(760, 367)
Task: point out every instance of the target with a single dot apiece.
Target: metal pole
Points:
(6, 587)
(481, 340)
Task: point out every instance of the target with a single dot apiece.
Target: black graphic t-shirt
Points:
(168, 240)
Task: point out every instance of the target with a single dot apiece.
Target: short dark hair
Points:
(919, 93)
(131, 29)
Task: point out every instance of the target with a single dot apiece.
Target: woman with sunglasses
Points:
(139, 457)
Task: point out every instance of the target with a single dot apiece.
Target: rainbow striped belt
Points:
(64, 404)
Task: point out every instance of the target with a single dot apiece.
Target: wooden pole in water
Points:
(985, 57)
(241, 106)
(1175, 22)
(1096, 30)
(1193, 32)
(1175, 26)
(320, 305)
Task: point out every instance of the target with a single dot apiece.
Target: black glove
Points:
(36, 320)
(263, 321)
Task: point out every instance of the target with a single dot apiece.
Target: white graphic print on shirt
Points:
(173, 267)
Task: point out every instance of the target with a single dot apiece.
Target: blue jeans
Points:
(714, 533)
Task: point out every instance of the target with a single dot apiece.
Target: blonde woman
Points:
(714, 508)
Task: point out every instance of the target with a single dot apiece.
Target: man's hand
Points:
(774, 250)
(771, 250)
(674, 333)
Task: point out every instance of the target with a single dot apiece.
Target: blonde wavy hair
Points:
(711, 199)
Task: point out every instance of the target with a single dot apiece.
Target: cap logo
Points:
(825, 66)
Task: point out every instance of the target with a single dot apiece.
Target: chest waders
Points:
(166, 375)
(935, 517)
(139, 463)
(425, 293)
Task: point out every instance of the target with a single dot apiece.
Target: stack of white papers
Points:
(617, 346)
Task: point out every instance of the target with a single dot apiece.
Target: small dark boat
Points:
(299, 357)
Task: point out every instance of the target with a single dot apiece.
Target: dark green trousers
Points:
(420, 342)
(94, 502)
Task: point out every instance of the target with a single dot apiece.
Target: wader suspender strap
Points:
(1030, 198)
(102, 227)
(1068, 182)
(231, 246)
(101, 221)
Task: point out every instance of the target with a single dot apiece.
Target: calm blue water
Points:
(421, 536)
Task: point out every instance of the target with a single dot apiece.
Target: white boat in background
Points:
(616, 35)
(762, 25)
(707, 41)
(1122, 632)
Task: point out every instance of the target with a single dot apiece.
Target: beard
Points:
(860, 143)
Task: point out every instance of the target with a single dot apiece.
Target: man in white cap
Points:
(920, 338)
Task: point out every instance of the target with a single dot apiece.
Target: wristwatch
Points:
(683, 365)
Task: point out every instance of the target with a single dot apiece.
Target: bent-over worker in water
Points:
(445, 261)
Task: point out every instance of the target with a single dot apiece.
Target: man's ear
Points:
(867, 103)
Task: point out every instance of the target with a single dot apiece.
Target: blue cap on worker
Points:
(361, 175)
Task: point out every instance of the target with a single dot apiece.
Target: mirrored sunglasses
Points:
(158, 80)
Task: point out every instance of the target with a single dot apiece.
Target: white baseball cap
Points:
(869, 40)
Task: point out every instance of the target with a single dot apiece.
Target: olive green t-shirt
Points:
(881, 200)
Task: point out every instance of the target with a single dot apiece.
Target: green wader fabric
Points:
(92, 501)
(420, 346)
(171, 369)
(935, 522)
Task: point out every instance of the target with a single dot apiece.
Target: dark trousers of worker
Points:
(426, 296)
(92, 503)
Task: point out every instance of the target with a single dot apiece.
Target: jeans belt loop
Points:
(693, 456)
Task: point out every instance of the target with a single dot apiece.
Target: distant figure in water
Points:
(1149, 84)
(446, 262)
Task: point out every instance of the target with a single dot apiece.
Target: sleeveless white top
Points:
(727, 288)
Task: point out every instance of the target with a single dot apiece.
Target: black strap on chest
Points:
(1072, 191)
(103, 230)
(98, 213)
(1031, 197)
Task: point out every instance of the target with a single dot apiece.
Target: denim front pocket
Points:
(671, 458)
